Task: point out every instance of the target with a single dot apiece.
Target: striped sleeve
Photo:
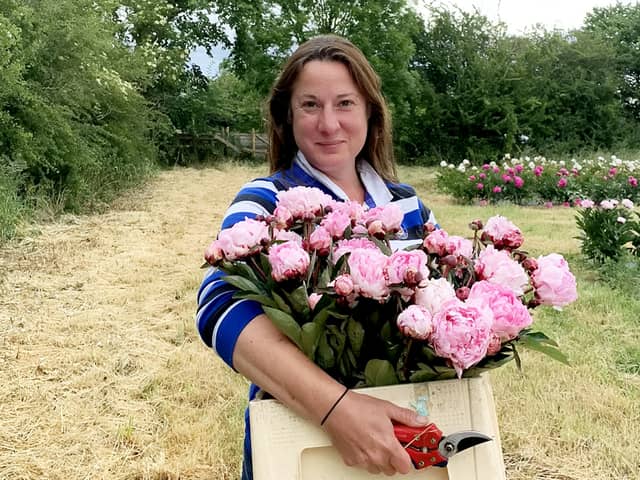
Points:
(220, 318)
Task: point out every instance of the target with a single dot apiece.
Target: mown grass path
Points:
(102, 374)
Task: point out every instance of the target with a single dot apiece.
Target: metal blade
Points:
(459, 441)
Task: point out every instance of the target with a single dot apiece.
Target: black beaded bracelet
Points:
(334, 406)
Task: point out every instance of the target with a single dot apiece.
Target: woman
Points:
(329, 128)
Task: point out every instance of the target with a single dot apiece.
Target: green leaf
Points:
(337, 339)
(247, 272)
(384, 248)
(355, 332)
(325, 277)
(285, 323)
(325, 357)
(544, 346)
(244, 284)
(262, 299)
(380, 372)
(282, 304)
(310, 337)
(424, 376)
(299, 301)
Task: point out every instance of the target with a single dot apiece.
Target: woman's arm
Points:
(360, 426)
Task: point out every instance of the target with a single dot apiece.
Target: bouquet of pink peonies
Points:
(327, 275)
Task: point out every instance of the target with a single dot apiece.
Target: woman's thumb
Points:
(407, 416)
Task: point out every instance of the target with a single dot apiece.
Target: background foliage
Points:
(93, 93)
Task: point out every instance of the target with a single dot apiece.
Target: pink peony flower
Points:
(548, 204)
(479, 186)
(288, 261)
(562, 182)
(461, 333)
(459, 246)
(497, 266)
(346, 246)
(336, 222)
(510, 316)
(389, 215)
(366, 267)
(354, 210)
(518, 182)
(243, 239)
(320, 240)
(503, 233)
(434, 294)
(415, 322)
(400, 264)
(537, 171)
(586, 203)
(553, 282)
(286, 236)
(497, 189)
(633, 181)
(303, 202)
(436, 242)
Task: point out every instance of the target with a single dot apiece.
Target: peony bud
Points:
(463, 293)
(476, 225)
(429, 227)
(314, 298)
(530, 264)
(376, 229)
(213, 255)
(343, 285)
(449, 260)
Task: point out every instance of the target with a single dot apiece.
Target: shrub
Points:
(609, 231)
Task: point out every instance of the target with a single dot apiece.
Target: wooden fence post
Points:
(253, 142)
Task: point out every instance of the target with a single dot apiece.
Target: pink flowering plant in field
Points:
(327, 276)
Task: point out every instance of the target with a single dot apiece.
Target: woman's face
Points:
(329, 115)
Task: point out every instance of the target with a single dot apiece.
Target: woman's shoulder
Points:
(401, 191)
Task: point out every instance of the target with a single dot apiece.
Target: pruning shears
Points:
(427, 446)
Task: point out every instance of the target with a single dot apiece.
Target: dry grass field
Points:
(102, 375)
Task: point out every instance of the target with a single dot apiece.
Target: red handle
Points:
(421, 444)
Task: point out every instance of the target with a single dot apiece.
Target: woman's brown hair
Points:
(377, 150)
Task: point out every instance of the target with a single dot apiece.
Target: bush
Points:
(608, 232)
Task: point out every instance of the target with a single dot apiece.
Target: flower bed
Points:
(538, 181)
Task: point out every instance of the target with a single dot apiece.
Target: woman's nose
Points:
(328, 121)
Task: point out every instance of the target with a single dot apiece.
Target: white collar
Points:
(373, 183)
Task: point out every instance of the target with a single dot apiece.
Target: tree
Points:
(619, 26)
(267, 32)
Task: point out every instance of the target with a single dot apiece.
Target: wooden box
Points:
(287, 447)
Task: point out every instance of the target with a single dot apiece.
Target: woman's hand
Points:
(361, 429)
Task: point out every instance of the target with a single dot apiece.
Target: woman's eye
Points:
(309, 104)
(346, 103)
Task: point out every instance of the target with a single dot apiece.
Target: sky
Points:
(518, 15)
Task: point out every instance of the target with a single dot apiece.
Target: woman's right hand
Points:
(361, 428)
